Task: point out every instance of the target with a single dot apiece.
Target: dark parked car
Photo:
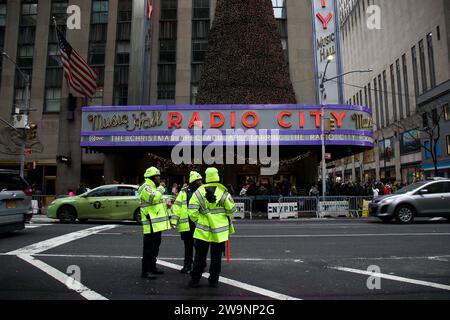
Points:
(15, 201)
(430, 198)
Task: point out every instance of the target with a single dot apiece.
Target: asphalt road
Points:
(312, 260)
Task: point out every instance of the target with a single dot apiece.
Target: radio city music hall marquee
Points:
(162, 125)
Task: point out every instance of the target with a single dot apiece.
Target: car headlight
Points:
(387, 201)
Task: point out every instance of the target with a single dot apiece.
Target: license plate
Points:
(11, 204)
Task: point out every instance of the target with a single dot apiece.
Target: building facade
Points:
(140, 61)
(407, 45)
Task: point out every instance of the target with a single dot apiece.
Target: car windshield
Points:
(411, 187)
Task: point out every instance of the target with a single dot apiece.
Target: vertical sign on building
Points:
(326, 42)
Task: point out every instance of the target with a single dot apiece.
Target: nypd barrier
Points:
(318, 207)
(244, 206)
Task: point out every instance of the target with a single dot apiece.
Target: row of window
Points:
(167, 51)
(396, 98)
(352, 12)
(122, 70)
(2, 32)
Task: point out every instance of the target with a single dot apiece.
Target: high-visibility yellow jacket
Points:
(154, 212)
(213, 220)
(180, 215)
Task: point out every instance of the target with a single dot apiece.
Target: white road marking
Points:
(237, 284)
(33, 226)
(348, 235)
(437, 258)
(69, 282)
(58, 241)
(162, 258)
(394, 278)
(234, 283)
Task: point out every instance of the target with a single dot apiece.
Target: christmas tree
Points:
(244, 63)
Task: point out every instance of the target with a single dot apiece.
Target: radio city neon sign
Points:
(324, 20)
(250, 119)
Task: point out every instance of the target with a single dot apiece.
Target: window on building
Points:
(123, 53)
(427, 150)
(97, 54)
(446, 112)
(431, 60)
(425, 120)
(410, 142)
(29, 13)
(393, 93)
(380, 95)
(167, 51)
(26, 56)
(366, 102)
(122, 61)
(448, 145)
(406, 85)
(423, 68)
(169, 10)
(52, 99)
(386, 99)
(399, 87)
(59, 11)
(377, 105)
(97, 46)
(279, 8)
(167, 55)
(2, 14)
(200, 9)
(415, 71)
(100, 10)
(386, 149)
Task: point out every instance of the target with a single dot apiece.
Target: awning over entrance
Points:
(285, 125)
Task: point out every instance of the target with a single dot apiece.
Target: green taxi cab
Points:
(110, 202)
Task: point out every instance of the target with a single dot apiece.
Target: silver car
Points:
(15, 201)
(429, 198)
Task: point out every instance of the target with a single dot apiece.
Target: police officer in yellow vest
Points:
(155, 219)
(180, 218)
(211, 208)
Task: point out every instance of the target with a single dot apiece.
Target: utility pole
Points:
(26, 112)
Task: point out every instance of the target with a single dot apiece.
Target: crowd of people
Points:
(373, 189)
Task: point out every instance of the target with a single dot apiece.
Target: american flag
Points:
(81, 78)
(149, 9)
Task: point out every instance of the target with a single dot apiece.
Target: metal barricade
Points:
(244, 205)
(319, 207)
(306, 207)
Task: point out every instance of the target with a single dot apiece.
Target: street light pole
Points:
(26, 111)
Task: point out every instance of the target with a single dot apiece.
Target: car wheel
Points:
(67, 214)
(137, 216)
(386, 219)
(404, 214)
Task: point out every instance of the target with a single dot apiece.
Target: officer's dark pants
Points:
(188, 239)
(152, 242)
(201, 252)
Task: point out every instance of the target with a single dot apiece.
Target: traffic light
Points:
(331, 125)
(32, 131)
